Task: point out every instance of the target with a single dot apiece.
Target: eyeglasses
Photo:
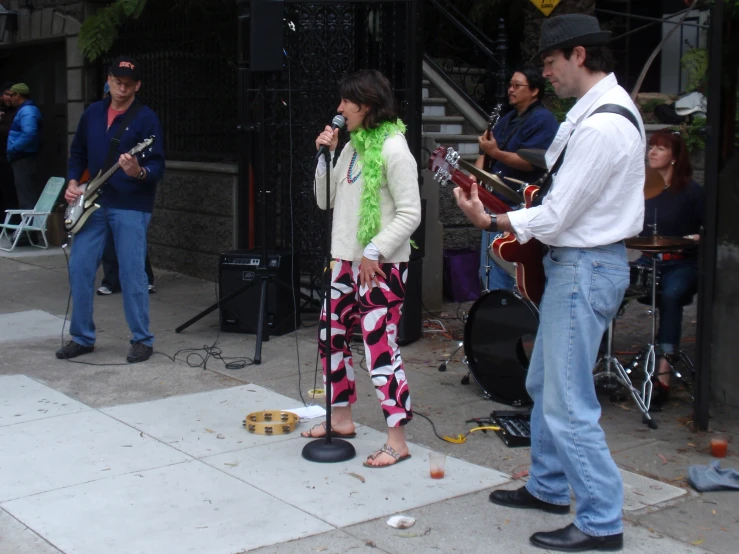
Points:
(516, 85)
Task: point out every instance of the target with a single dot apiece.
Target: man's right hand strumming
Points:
(73, 191)
(328, 137)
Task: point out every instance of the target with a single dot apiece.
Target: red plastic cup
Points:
(719, 446)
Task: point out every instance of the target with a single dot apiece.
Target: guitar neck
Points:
(105, 176)
(488, 199)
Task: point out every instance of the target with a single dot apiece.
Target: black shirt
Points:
(678, 214)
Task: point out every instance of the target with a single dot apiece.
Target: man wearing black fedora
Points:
(592, 201)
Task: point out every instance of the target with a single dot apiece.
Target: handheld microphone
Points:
(336, 123)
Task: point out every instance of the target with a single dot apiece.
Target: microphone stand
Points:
(328, 449)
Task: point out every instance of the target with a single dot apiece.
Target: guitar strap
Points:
(113, 153)
(547, 179)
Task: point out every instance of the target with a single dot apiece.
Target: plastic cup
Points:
(437, 465)
(719, 446)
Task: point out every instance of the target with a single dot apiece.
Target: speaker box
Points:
(241, 313)
(410, 326)
(261, 34)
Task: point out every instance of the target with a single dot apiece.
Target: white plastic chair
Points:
(32, 220)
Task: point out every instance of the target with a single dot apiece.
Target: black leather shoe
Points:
(72, 350)
(571, 539)
(139, 352)
(522, 498)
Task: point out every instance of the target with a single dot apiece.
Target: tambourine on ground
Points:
(271, 422)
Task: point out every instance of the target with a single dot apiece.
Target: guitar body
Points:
(526, 257)
(77, 213)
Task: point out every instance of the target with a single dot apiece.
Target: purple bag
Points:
(461, 279)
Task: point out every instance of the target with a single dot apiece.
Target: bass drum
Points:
(498, 339)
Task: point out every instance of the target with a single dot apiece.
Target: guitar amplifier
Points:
(241, 313)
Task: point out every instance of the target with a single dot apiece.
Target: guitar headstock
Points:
(143, 145)
(444, 162)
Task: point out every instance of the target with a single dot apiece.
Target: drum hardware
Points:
(609, 362)
(443, 365)
(535, 157)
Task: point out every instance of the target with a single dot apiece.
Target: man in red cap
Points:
(106, 132)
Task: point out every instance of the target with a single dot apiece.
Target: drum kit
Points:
(501, 326)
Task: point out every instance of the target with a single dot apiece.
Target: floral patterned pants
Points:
(378, 311)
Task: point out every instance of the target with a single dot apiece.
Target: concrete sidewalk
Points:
(107, 457)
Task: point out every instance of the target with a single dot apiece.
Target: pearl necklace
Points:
(351, 180)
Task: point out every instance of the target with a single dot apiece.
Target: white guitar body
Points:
(78, 212)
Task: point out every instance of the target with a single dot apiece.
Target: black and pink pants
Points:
(377, 311)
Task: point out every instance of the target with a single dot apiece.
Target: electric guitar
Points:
(527, 258)
(77, 213)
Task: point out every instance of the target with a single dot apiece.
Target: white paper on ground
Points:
(307, 412)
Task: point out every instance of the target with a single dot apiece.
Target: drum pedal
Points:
(515, 427)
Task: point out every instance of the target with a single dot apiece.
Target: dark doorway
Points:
(43, 68)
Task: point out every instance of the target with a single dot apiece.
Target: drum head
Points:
(498, 339)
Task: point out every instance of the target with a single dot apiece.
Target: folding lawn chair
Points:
(32, 220)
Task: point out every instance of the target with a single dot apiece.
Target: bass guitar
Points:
(527, 258)
(77, 213)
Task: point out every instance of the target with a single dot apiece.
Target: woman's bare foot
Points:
(396, 441)
(341, 422)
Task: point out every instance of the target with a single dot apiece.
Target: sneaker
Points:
(104, 291)
(152, 289)
(139, 352)
(72, 350)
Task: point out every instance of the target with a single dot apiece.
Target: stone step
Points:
(449, 138)
(434, 101)
(442, 119)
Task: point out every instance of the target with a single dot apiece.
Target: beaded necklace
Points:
(351, 180)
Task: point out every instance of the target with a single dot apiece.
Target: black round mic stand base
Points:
(328, 451)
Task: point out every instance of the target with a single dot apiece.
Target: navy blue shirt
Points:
(678, 214)
(535, 128)
(90, 148)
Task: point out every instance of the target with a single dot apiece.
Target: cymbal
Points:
(493, 180)
(654, 183)
(534, 156)
(660, 244)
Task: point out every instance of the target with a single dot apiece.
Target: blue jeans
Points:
(128, 228)
(583, 292)
(498, 278)
(678, 282)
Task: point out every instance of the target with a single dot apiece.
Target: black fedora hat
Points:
(568, 31)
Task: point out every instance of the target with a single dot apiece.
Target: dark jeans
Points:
(25, 171)
(678, 283)
(110, 267)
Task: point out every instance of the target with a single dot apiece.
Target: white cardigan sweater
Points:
(400, 203)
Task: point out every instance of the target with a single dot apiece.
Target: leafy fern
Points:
(100, 31)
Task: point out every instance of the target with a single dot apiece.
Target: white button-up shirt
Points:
(597, 196)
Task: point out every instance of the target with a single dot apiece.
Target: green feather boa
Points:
(368, 144)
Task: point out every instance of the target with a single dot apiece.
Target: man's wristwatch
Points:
(142, 174)
(493, 224)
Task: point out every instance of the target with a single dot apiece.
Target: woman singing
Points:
(678, 212)
(376, 202)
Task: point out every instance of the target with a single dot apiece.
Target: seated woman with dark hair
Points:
(678, 212)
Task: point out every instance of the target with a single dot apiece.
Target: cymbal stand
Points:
(609, 362)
